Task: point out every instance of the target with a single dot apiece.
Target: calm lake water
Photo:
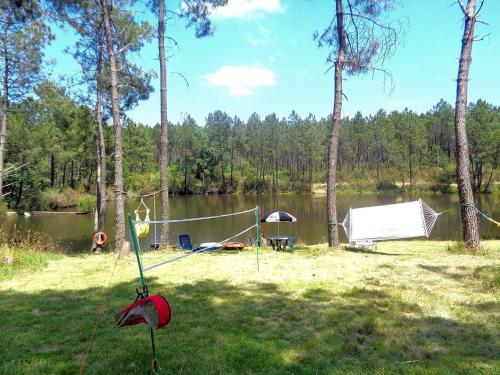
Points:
(73, 232)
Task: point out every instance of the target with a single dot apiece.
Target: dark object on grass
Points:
(290, 243)
(233, 245)
(153, 310)
(185, 242)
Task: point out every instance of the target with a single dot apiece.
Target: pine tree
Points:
(23, 36)
(358, 39)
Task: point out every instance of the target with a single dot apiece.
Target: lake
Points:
(73, 232)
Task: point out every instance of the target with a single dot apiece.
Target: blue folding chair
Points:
(185, 242)
(290, 242)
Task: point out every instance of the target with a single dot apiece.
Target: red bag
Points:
(153, 310)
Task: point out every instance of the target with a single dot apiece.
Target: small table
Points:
(278, 242)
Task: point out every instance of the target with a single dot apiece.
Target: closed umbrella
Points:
(277, 217)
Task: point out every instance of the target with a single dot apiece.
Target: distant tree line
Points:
(56, 137)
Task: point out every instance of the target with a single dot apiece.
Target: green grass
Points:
(24, 261)
(410, 307)
(24, 253)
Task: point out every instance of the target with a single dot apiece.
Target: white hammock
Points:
(389, 222)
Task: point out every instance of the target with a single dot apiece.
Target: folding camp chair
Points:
(290, 242)
(185, 242)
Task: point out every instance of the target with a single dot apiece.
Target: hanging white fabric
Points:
(393, 221)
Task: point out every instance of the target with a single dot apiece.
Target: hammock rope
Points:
(470, 205)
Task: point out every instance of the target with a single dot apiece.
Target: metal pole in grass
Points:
(135, 242)
(257, 236)
(145, 290)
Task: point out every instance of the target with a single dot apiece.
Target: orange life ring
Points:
(100, 238)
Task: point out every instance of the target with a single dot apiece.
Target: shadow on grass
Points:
(371, 252)
(222, 328)
(445, 272)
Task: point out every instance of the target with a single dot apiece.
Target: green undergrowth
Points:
(24, 253)
(459, 247)
(53, 199)
(410, 307)
(488, 276)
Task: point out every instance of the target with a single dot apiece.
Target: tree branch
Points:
(462, 6)
(183, 77)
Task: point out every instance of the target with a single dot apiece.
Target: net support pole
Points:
(145, 290)
(135, 243)
(257, 236)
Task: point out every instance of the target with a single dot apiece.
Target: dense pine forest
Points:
(52, 137)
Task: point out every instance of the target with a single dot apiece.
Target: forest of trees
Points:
(56, 137)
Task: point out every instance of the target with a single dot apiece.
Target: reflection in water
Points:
(74, 232)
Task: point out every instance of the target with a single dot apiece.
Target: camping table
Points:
(278, 242)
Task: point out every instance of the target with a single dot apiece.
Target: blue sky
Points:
(262, 58)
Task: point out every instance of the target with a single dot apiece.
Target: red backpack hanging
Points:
(153, 310)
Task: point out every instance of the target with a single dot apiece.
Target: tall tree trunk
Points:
(231, 166)
(222, 172)
(185, 174)
(100, 213)
(410, 166)
(331, 195)
(88, 184)
(115, 109)
(164, 126)
(64, 174)
(5, 109)
(487, 186)
(19, 194)
(53, 170)
(72, 175)
(469, 218)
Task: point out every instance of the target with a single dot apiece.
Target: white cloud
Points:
(243, 8)
(240, 80)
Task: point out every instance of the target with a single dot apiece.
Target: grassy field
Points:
(410, 307)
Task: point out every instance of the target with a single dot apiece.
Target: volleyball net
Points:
(215, 244)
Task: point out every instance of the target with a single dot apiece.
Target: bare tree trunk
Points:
(19, 194)
(115, 109)
(64, 174)
(72, 175)
(222, 172)
(410, 166)
(185, 174)
(53, 171)
(469, 218)
(231, 166)
(5, 109)
(487, 186)
(164, 126)
(331, 196)
(100, 212)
